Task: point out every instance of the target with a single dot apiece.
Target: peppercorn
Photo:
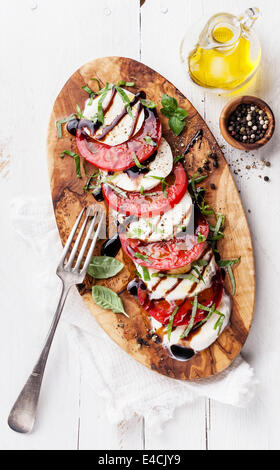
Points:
(212, 186)
(254, 123)
(266, 178)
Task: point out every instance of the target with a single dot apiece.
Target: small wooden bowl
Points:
(228, 110)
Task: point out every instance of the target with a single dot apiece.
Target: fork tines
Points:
(90, 229)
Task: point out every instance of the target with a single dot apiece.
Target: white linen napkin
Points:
(127, 386)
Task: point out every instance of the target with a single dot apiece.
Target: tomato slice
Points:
(149, 206)
(170, 254)
(120, 157)
(161, 309)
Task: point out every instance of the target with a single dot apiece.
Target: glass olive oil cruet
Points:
(227, 54)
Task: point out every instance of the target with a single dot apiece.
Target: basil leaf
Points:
(175, 114)
(108, 299)
(150, 141)
(125, 99)
(103, 267)
(191, 322)
(146, 274)
(123, 83)
(59, 124)
(169, 103)
(77, 161)
(170, 323)
(137, 163)
(181, 113)
(167, 112)
(99, 107)
(147, 103)
(176, 125)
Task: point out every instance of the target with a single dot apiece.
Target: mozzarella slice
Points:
(119, 133)
(161, 166)
(159, 227)
(170, 288)
(206, 334)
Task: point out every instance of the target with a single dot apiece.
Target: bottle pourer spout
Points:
(248, 19)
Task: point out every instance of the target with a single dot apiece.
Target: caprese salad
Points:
(163, 222)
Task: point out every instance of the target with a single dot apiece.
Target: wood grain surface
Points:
(68, 198)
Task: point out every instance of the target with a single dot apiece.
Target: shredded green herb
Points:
(117, 190)
(147, 103)
(143, 257)
(170, 323)
(123, 83)
(100, 102)
(219, 322)
(98, 82)
(146, 274)
(137, 273)
(178, 158)
(200, 238)
(150, 141)
(125, 99)
(79, 112)
(77, 161)
(211, 311)
(228, 262)
(62, 121)
(88, 89)
(188, 276)
(137, 163)
(164, 183)
(191, 322)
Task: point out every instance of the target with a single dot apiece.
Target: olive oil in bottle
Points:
(228, 52)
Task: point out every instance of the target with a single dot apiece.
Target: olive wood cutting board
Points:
(68, 199)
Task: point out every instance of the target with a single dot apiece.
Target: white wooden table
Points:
(41, 43)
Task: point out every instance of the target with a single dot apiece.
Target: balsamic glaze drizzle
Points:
(107, 129)
(197, 136)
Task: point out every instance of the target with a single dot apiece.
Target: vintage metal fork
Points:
(23, 413)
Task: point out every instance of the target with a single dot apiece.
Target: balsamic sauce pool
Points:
(112, 246)
(180, 353)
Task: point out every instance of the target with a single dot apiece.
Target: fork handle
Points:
(23, 413)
